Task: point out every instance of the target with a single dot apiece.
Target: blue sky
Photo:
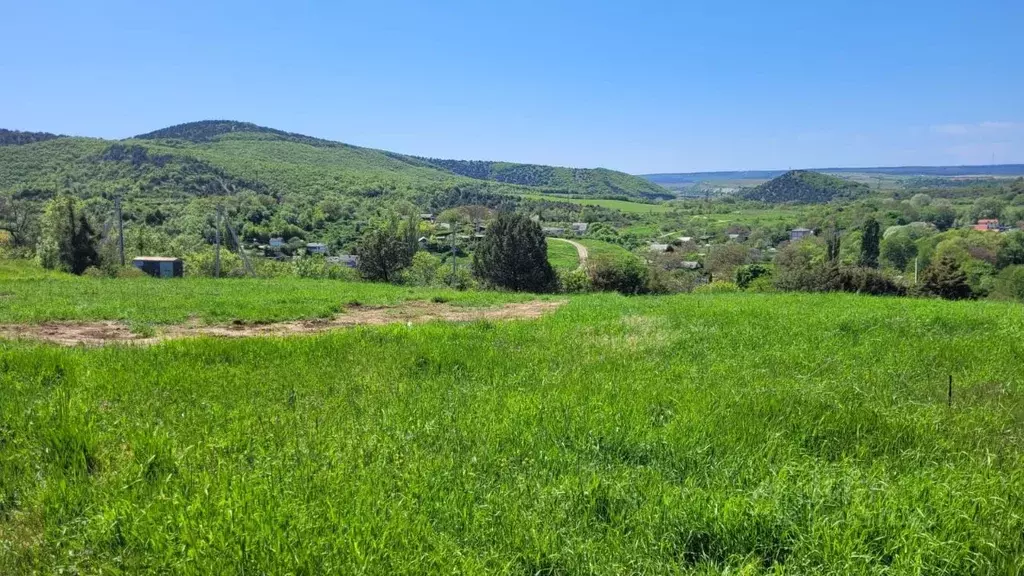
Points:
(640, 86)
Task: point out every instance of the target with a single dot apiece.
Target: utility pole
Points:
(454, 261)
(915, 271)
(216, 250)
(120, 228)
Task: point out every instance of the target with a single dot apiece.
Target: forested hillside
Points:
(806, 188)
(16, 137)
(265, 144)
(588, 182)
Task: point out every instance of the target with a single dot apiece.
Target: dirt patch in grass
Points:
(98, 333)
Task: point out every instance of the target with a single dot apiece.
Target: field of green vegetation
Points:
(562, 255)
(694, 434)
(38, 297)
(621, 205)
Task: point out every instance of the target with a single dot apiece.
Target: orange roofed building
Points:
(987, 225)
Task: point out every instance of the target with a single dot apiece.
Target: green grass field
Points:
(600, 249)
(736, 433)
(562, 255)
(621, 205)
(30, 295)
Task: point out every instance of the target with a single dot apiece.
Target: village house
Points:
(987, 225)
(799, 233)
(316, 248)
(580, 228)
(661, 248)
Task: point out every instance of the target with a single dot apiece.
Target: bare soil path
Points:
(102, 332)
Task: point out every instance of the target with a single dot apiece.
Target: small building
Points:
(580, 227)
(350, 260)
(160, 266)
(276, 242)
(316, 248)
(662, 248)
(552, 231)
(685, 239)
(689, 265)
(988, 225)
(799, 233)
(427, 216)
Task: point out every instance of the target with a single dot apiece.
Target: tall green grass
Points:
(753, 434)
(41, 297)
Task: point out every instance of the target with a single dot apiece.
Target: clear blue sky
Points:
(638, 86)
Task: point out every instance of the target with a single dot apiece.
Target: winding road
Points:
(581, 250)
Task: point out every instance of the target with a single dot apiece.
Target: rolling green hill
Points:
(598, 182)
(805, 187)
(187, 159)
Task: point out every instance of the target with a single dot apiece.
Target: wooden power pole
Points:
(216, 250)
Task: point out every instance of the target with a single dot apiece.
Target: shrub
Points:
(750, 272)
(129, 272)
(574, 281)
(717, 287)
(866, 281)
(424, 270)
(627, 276)
(663, 281)
(318, 267)
(944, 279)
(460, 280)
(1009, 284)
(761, 284)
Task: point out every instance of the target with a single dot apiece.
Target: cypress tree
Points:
(514, 255)
(946, 280)
(869, 244)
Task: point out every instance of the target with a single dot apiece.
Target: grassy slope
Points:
(562, 255)
(599, 249)
(26, 296)
(652, 435)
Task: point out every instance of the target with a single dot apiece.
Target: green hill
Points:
(598, 182)
(183, 159)
(801, 186)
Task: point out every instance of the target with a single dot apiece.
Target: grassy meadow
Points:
(37, 297)
(562, 255)
(690, 434)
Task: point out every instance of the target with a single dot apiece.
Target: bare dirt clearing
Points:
(97, 333)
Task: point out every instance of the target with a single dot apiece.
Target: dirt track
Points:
(98, 333)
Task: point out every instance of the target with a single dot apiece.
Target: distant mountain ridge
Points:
(948, 171)
(806, 187)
